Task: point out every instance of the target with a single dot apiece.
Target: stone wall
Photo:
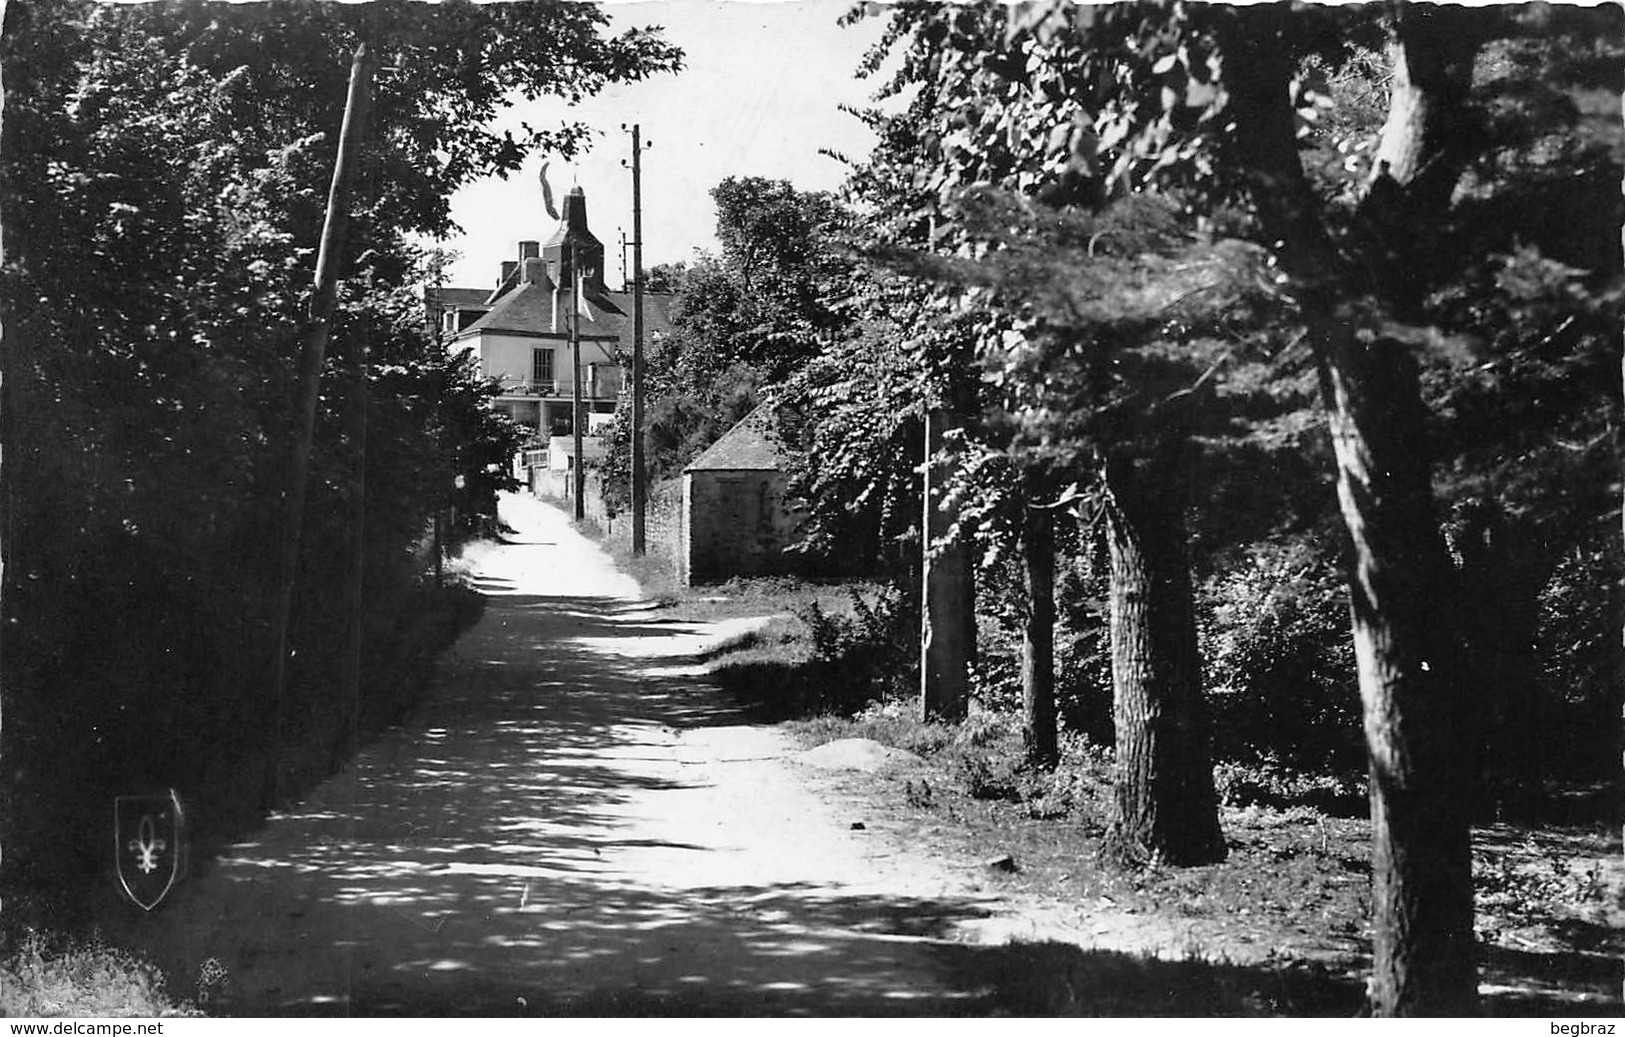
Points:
(735, 523)
(662, 517)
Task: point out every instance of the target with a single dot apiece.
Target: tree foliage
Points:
(165, 171)
(744, 319)
(1383, 168)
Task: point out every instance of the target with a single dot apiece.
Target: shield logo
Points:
(148, 833)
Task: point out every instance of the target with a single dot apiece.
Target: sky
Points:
(759, 96)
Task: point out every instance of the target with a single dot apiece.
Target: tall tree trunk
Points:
(1426, 141)
(1410, 681)
(948, 630)
(1166, 805)
(1038, 733)
(1399, 573)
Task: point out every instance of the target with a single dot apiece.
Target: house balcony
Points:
(598, 382)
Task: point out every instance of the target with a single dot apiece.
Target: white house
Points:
(521, 330)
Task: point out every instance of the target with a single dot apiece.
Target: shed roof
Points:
(756, 444)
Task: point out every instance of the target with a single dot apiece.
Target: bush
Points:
(1268, 784)
(1083, 650)
(1280, 662)
(50, 976)
(995, 677)
(1080, 787)
(984, 777)
(1578, 646)
(868, 654)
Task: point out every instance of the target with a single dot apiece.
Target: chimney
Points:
(508, 267)
(529, 249)
(535, 271)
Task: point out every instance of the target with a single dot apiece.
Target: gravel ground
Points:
(571, 823)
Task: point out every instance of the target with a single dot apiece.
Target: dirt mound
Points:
(856, 754)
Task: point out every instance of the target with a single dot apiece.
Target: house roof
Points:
(533, 296)
(462, 298)
(537, 309)
(756, 444)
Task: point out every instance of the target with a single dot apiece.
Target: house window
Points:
(541, 367)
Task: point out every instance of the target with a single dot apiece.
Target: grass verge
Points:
(1284, 919)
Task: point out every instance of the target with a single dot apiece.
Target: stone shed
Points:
(735, 521)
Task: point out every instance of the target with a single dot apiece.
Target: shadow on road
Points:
(492, 856)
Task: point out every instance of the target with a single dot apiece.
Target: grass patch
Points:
(657, 578)
(1290, 904)
(779, 638)
(887, 725)
(51, 976)
(766, 596)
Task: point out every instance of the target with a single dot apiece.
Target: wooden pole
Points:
(313, 351)
(640, 487)
(576, 417)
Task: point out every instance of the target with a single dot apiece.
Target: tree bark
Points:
(948, 630)
(1410, 682)
(1399, 573)
(1426, 140)
(1166, 805)
(1039, 735)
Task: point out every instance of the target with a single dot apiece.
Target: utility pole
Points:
(639, 488)
(355, 604)
(313, 349)
(580, 475)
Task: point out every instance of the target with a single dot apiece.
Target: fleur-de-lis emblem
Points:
(149, 842)
(146, 845)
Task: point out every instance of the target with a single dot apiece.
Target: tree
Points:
(1359, 263)
(1039, 731)
(1410, 672)
(858, 483)
(1084, 103)
(165, 171)
(967, 125)
(746, 318)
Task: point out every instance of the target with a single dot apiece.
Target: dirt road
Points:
(571, 823)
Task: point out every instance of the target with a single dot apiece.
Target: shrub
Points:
(1268, 784)
(868, 654)
(1083, 650)
(1280, 662)
(1578, 646)
(988, 778)
(51, 976)
(1080, 787)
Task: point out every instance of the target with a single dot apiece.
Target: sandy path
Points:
(570, 823)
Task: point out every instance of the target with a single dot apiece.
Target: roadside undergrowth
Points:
(50, 976)
(1293, 893)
